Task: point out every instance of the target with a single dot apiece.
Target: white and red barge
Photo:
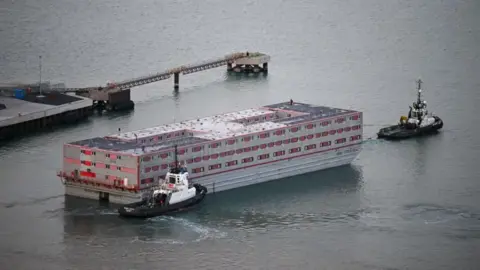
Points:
(221, 152)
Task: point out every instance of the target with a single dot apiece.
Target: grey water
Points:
(400, 205)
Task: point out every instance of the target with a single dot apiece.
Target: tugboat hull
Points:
(399, 132)
(143, 210)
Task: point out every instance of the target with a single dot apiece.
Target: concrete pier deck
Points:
(34, 113)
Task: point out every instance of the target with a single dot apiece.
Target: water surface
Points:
(411, 204)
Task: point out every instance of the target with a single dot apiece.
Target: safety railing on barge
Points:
(116, 185)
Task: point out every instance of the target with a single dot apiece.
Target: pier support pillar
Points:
(176, 80)
(265, 67)
(229, 67)
(119, 101)
(103, 196)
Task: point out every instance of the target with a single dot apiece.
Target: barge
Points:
(220, 152)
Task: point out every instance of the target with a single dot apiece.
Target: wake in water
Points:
(196, 232)
(105, 223)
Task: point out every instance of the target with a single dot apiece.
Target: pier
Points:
(26, 108)
(116, 96)
(238, 62)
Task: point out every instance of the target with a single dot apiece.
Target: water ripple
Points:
(30, 202)
(412, 218)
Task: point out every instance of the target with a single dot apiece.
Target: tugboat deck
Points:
(218, 127)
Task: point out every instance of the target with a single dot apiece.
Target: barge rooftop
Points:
(212, 128)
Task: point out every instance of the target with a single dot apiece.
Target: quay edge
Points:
(31, 113)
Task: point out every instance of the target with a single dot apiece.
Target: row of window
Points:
(278, 133)
(94, 164)
(263, 135)
(266, 156)
(251, 159)
(93, 153)
(264, 146)
(338, 120)
(167, 136)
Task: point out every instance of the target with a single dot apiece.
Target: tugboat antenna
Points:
(419, 82)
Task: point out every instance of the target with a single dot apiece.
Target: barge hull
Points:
(279, 170)
(239, 178)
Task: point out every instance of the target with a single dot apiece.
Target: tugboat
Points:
(419, 122)
(173, 193)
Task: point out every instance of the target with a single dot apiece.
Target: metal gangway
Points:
(184, 69)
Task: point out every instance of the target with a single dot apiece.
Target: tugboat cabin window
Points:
(172, 180)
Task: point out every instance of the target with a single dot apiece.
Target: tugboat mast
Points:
(176, 157)
(419, 88)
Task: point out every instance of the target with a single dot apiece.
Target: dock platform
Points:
(115, 96)
(35, 113)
